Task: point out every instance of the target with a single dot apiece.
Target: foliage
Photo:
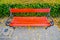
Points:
(55, 9)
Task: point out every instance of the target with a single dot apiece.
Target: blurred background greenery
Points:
(28, 1)
(55, 9)
(53, 4)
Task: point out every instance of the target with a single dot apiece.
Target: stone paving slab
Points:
(34, 33)
(52, 33)
(24, 33)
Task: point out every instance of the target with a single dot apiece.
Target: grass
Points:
(27, 1)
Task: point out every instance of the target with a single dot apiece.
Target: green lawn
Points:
(27, 1)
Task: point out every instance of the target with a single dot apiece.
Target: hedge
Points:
(55, 9)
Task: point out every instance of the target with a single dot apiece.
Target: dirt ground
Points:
(57, 22)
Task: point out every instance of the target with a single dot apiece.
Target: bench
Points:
(29, 21)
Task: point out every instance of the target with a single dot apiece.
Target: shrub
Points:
(55, 9)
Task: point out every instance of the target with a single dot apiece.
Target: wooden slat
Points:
(16, 10)
(30, 21)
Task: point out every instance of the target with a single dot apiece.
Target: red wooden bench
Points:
(30, 21)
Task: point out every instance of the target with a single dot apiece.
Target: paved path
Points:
(52, 33)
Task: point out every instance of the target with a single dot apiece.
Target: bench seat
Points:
(29, 21)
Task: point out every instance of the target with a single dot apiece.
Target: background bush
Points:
(55, 9)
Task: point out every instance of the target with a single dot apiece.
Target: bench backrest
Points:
(42, 10)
